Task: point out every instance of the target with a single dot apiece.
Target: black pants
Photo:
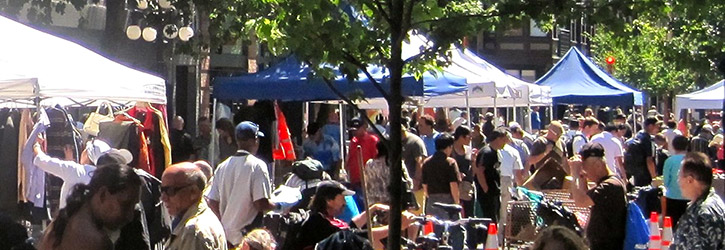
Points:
(642, 179)
(675, 210)
(490, 203)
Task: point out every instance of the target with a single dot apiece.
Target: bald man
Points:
(208, 172)
(194, 225)
(182, 146)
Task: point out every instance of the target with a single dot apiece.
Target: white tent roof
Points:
(67, 73)
(485, 82)
(710, 97)
(537, 95)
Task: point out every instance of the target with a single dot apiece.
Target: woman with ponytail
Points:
(104, 205)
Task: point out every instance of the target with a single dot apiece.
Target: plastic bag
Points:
(637, 230)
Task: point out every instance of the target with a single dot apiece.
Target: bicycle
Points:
(430, 241)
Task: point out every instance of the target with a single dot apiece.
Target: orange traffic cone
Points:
(655, 240)
(667, 234)
(492, 239)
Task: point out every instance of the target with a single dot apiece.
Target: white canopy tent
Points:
(710, 97)
(509, 90)
(65, 73)
(488, 86)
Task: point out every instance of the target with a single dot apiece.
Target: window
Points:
(523, 74)
(528, 75)
(535, 31)
(511, 46)
(514, 32)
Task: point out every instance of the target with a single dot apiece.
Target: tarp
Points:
(289, 80)
(577, 80)
(68, 73)
(710, 97)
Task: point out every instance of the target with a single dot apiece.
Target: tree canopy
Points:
(668, 50)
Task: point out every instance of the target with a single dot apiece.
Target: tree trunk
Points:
(204, 59)
(668, 105)
(396, 75)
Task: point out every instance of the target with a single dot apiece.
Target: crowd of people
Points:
(105, 204)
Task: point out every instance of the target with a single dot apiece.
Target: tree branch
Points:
(380, 9)
(408, 14)
(456, 18)
(432, 49)
(350, 58)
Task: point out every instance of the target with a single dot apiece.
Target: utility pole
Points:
(721, 68)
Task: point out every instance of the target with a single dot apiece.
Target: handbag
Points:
(465, 190)
(95, 118)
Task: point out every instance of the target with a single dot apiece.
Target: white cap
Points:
(96, 148)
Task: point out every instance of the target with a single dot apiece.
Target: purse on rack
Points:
(95, 118)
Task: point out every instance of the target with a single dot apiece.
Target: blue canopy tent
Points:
(577, 80)
(288, 81)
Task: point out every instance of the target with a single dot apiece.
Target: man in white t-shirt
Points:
(670, 134)
(613, 151)
(241, 189)
(511, 170)
(461, 120)
(589, 127)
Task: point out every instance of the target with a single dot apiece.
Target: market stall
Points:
(67, 73)
(710, 97)
(45, 74)
(577, 80)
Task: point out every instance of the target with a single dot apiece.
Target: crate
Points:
(521, 230)
(520, 222)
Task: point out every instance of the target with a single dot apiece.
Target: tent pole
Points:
(342, 135)
(305, 117)
(212, 152)
(527, 122)
(551, 113)
(495, 109)
(514, 113)
(634, 119)
(468, 111)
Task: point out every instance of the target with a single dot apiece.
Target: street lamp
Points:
(149, 17)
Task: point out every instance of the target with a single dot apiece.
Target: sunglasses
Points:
(171, 191)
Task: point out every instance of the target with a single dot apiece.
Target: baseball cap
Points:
(356, 123)
(95, 149)
(591, 149)
(247, 130)
(514, 126)
(115, 156)
(333, 188)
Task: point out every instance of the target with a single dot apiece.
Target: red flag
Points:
(284, 150)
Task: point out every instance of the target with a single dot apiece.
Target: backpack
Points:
(308, 169)
(633, 156)
(570, 145)
(287, 228)
(637, 233)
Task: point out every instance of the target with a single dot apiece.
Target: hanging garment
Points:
(35, 178)
(124, 133)
(164, 134)
(154, 127)
(24, 128)
(62, 132)
(8, 165)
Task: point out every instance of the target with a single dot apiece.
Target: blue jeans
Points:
(457, 233)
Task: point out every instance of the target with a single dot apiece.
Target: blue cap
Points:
(247, 130)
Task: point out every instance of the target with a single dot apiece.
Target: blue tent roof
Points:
(288, 81)
(577, 80)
